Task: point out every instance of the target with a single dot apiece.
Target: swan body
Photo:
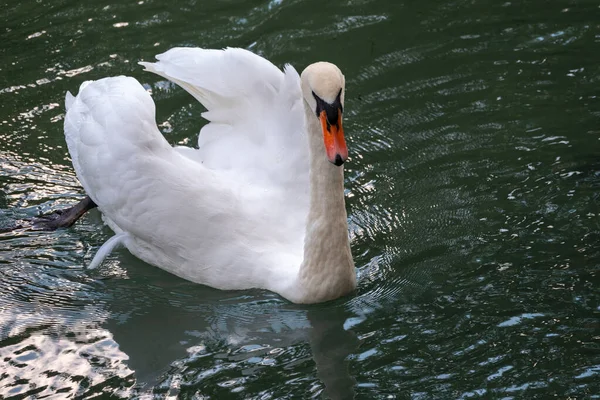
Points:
(259, 204)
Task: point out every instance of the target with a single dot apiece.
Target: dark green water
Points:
(473, 193)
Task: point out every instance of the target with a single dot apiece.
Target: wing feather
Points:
(256, 128)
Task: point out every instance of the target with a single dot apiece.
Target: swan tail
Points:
(107, 248)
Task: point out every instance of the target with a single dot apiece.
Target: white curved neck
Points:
(327, 271)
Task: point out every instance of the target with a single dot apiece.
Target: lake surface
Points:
(473, 196)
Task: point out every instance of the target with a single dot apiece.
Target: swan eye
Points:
(331, 110)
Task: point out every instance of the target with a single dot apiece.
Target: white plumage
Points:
(234, 213)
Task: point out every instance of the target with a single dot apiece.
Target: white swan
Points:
(260, 203)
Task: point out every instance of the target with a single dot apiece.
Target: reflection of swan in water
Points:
(221, 337)
(149, 333)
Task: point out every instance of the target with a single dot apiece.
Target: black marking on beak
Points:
(338, 160)
(331, 110)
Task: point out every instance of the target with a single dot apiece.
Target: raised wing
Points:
(256, 128)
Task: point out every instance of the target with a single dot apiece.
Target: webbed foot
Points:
(55, 220)
(62, 218)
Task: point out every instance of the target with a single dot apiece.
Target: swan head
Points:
(323, 87)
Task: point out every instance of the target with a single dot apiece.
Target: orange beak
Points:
(333, 136)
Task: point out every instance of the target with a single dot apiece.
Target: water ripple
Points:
(472, 193)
